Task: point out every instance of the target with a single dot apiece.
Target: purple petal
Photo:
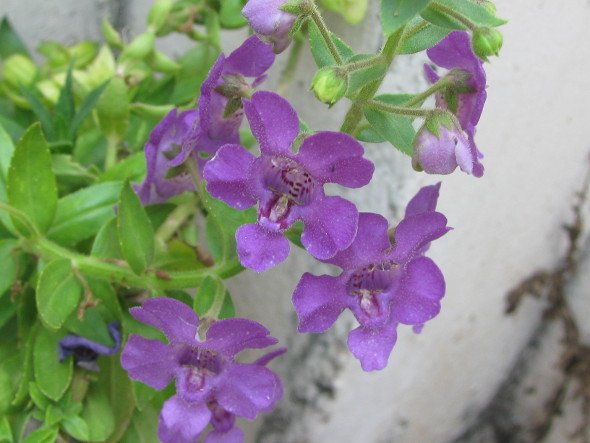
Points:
(175, 319)
(369, 245)
(424, 201)
(430, 74)
(182, 422)
(372, 346)
(318, 302)
(252, 59)
(233, 335)
(207, 114)
(335, 157)
(422, 288)
(228, 177)
(234, 435)
(249, 389)
(273, 121)
(414, 234)
(79, 346)
(269, 22)
(454, 51)
(330, 226)
(267, 358)
(260, 249)
(149, 361)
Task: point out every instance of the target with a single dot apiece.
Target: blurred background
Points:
(476, 373)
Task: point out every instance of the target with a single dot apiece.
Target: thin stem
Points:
(289, 71)
(319, 21)
(453, 14)
(419, 98)
(175, 220)
(414, 30)
(112, 152)
(401, 110)
(355, 113)
(365, 63)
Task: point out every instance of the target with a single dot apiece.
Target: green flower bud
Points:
(84, 52)
(162, 63)
(110, 34)
(353, 11)
(57, 55)
(329, 85)
(486, 41)
(18, 69)
(140, 47)
(159, 13)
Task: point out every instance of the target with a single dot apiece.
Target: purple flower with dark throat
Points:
(86, 351)
(467, 96)
(211, 386)
(288, 186)
(382, 284)
(269, 22)
(196, 135)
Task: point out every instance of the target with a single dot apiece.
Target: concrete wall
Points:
(474, 374)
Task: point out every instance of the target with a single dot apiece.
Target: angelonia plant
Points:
(133, 185)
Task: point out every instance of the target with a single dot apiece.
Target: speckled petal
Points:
(372, 347)
(174, 318)
(233, 335)
(182, 422)
(260, 249)
(149, 361)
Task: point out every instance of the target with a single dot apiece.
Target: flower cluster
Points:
(382, 284)
(211, 386)
(195, 135)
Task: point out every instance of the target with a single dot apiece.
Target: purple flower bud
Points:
(443, 153)
(269, 22)
(211, 386)
(86, 351)
(465, 100)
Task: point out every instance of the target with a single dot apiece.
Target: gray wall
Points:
(474, 374)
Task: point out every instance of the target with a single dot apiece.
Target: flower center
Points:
(287, 178)
(370, 281)
(196, 366)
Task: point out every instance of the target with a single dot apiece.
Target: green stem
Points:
(290, 67)
(415, 29)
(453, 14)
(363, 64)
(419, 98)
(112, 152)
(21, 217)
(355, 113)
(175, 220)
(321, 24)
(401, 110)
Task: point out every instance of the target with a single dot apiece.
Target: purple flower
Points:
(269, 22)
(86, 351)
(211, 387)
(195, 135)
(288, 186)
(443, 153)
(383, 285)
(466, 99)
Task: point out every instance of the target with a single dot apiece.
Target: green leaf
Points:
(424, 35)
(136, 234)
(475, 12)
(64, 109)
(230, 14)
(8, 258)
(10, 42)
(319, 50)
(22, 389)
(43, 435)
(5, 430)
(66, 168)
(396, 13)
(5, 390)
(98, 414)
(92, 327)
(86, 107)
(58, 293)
(41, 112)
(143, 427)
(220, 245)
(106, 244)
(80, 215)
(293, 234)
(13, 129)
(76, 427)
(195, 65)
(8, 308)
(53, 378)
(31, 183)
(212, 291)
(104, 292)
(360, 78)
(6, 153)
(132, 168)
(396, 129)
(37, 396)
(120, 395)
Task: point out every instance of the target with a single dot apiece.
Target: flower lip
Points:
(285, 176)
(201, 358)
(374, 278)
